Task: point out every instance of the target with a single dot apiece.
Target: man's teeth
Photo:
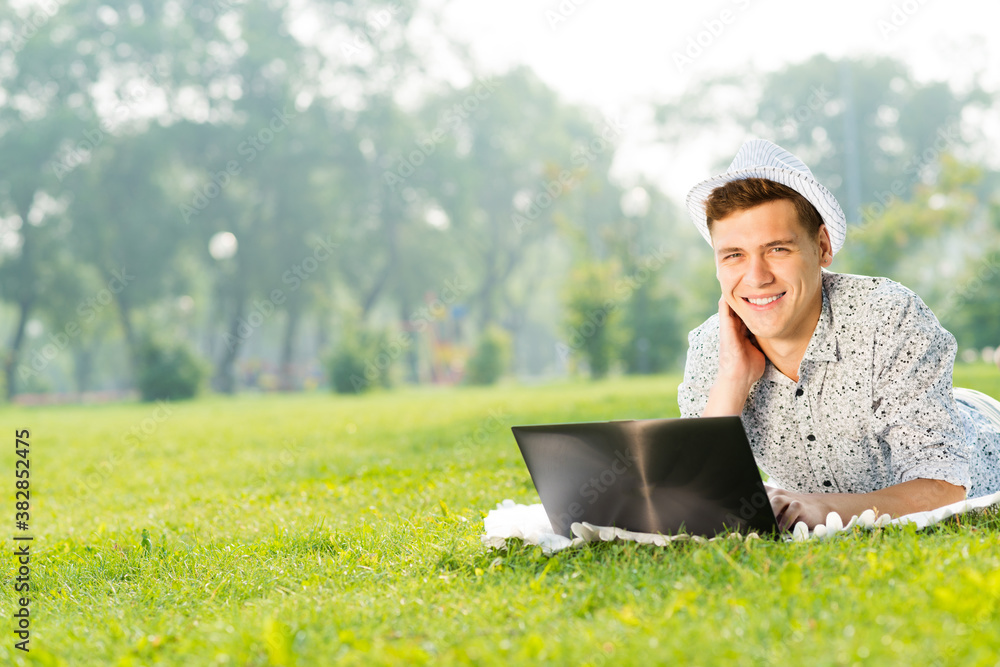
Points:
(764, 302)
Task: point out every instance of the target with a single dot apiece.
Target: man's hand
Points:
(916, 495)
(739, 357)
(791, 507)
(741, 364)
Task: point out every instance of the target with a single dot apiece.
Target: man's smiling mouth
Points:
(763, 301)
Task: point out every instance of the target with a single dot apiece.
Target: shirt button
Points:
(827, 482)
(799, 391)
(810, 437)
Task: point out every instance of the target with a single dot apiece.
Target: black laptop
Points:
(696, 476)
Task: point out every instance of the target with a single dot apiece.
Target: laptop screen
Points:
(696, 476)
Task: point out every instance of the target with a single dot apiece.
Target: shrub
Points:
(592, 315)
(362, 361)
(168, 370)
(346, 363)
(655, 342)
(491, 357)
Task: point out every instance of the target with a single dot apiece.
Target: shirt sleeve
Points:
(914, 409)
(700, 368)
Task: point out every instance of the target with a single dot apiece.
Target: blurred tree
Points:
(511, 160)
(74, 313)
(965, 300)
(644, 239)
(490, 360)
(402, 251)
(89, 73)
(259, 176)
(654, 342)
(124, 225)
(593, 312)
(889, 244)
(44, 87)
(864, 126)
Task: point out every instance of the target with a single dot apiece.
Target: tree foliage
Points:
(367, 194)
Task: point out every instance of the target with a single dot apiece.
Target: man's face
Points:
(763, 254)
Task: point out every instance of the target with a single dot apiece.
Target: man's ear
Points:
(825, 246)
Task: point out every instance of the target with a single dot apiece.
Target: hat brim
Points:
(814, 192)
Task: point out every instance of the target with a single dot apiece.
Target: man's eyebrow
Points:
(769, 244)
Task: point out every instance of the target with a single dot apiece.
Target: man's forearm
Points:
(725, 399)
(916, 495)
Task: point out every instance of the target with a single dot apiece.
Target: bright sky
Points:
(615, 54)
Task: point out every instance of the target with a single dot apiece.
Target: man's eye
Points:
(732, 255)
(780, 249)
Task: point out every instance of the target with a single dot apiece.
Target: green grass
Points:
(315, 530)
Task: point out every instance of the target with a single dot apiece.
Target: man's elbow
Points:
(945, 493)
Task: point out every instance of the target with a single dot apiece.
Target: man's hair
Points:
(750, 192)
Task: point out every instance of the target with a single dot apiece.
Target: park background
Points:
(277, 277)
(275, 196)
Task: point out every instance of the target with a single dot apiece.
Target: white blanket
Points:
(530, 524)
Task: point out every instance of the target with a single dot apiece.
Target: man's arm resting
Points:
(741, 364)
(916, 495)
(726, 399)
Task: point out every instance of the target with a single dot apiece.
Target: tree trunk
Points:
(11, 364)
(412, 357)
(487, 315)
(26, 296)
(322, 332)
(492, 279)
(286, 379)
(131, 344)
(493, 286)
(83, 367)
(383, 278)
(225, 379)
(389, 225)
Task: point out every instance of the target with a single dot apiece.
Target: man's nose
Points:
(758, 273)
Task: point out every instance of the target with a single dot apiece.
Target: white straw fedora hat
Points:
(759, 158)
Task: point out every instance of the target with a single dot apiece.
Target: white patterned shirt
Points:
(873, 406)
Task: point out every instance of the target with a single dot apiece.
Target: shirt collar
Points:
(822, 346)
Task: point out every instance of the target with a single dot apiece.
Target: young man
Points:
(843, 382)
